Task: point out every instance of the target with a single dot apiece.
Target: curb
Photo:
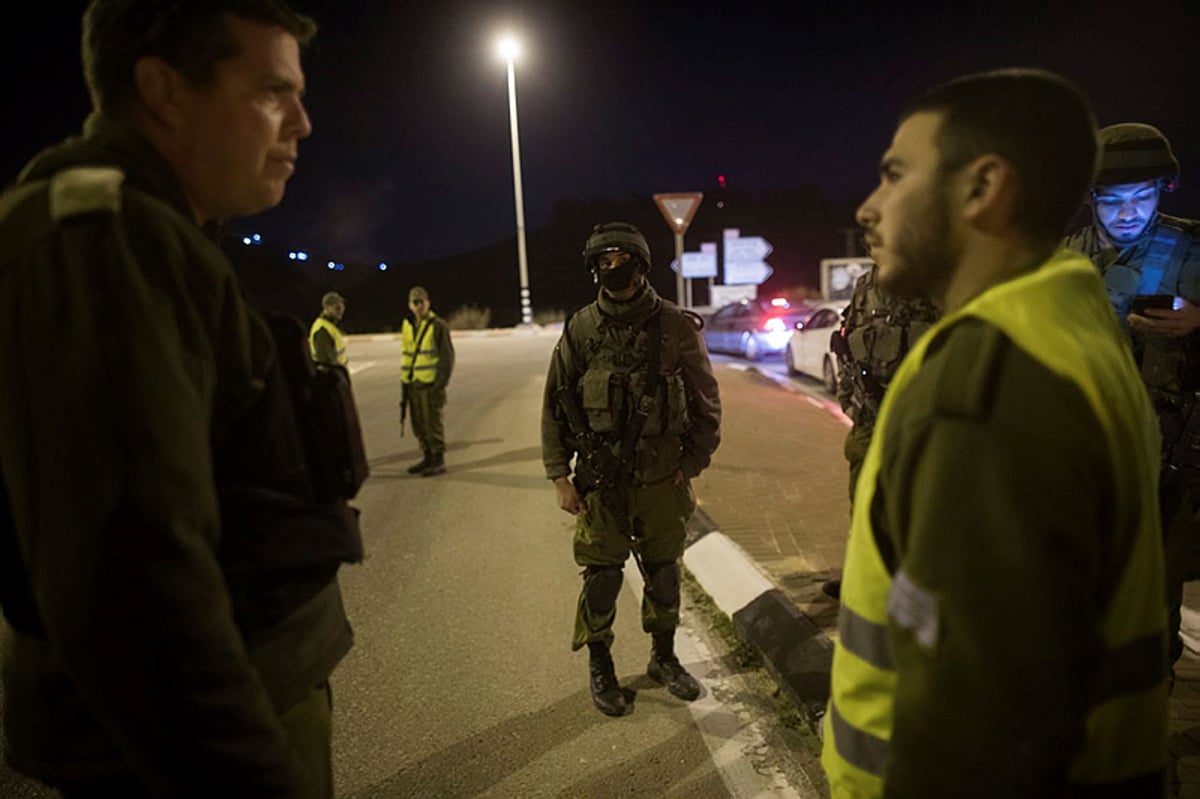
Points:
(794, 649)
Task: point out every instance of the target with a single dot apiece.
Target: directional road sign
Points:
(699, 264)
(744, 260)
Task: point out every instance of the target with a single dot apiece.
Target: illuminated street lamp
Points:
(509, 49)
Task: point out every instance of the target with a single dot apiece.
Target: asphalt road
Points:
(462, 682)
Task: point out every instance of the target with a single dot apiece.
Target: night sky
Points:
(410, 156)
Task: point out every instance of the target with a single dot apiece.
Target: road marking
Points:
(361, 367)
(735, 741)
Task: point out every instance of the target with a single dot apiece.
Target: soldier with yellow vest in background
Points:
(427, 362)
(1002, 625)
(326, 339)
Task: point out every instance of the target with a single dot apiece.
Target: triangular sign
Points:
(679, 208)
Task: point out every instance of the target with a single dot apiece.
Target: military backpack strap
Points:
(1170, 251)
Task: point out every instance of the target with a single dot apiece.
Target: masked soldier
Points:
(1148, 257)
(632, 405)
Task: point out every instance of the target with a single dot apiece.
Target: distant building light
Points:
(292, 256)
(301, 256)
(257, 238)
(331, 265)
(246, 240)
(382, 266)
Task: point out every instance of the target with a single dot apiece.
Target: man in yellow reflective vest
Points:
(326, 339)
(426, 365)
(1002, 629)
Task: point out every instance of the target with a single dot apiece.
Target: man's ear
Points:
(158, 87)
(988, 190)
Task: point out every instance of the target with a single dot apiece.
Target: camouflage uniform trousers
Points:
(658, 516)
(426, 404)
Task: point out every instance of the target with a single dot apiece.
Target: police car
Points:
(753, 328)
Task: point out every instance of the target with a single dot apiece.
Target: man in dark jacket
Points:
(635, 369)
(170, 569)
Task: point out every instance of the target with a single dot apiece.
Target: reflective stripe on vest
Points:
(339, 340)
(418, 366)
(1125, 729)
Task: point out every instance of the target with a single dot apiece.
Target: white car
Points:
(808, 351)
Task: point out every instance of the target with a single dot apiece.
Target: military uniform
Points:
(427, 361)
(170, 568)
(604, 363)
(327, 341)
(1001, 627)
(877, 331)
(1165, 259)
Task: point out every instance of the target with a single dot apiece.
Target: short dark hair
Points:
(189, 35)
(1036, 120)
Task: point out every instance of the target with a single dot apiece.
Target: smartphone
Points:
(1143, 302)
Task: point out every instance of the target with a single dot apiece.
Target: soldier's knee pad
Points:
(601, 584)
(664, 581)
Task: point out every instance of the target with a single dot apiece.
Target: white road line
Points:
(735, 742)
(355, 368)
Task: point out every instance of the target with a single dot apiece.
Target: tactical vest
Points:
(1128, 689)
(418, 365)
(339, 340)
(880, 329)
(615, 353)
(1157, 273)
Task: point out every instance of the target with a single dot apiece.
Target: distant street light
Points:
(509, 49)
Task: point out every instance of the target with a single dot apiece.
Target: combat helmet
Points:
(611, 236)
(1132, 152)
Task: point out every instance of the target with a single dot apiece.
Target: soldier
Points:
(1001, 621)
(1141, 251)
(170, 535)
(877, 331)
(427, 363)
(326, 339)
(631, 397)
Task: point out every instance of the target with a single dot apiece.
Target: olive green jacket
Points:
(147, 484)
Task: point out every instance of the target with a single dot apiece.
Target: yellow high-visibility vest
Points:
(339, 340)
(418, 366)
(1126, 722)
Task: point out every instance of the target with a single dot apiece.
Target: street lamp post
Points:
(509, 50)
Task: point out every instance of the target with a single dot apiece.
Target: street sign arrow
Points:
(750, 248)
(699, 264)
(743, 272)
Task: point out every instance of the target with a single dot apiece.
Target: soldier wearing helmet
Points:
(631, 414)
(1151, 267)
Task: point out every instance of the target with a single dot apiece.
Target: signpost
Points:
(678, 208)
(744, 260)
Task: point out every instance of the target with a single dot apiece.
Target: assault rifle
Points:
(865, 392)
(598, 468)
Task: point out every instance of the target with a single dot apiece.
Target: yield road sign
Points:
(678, 208)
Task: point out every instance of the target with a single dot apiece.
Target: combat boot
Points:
(665, 668)
(437, 465)
(606, 691)
(421, 466)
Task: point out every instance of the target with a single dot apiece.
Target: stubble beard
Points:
(923, 254)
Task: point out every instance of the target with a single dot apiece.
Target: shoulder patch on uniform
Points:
(696, 319)
(85, 190)
(967, 384)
